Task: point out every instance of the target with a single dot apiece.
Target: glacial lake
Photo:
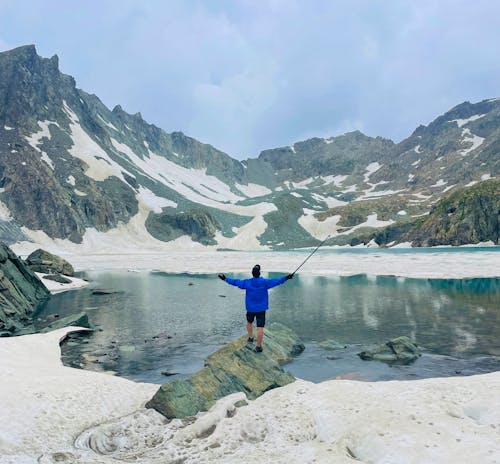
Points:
(156, 322)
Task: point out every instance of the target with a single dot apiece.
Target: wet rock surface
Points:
(236, 367)
(400, 350)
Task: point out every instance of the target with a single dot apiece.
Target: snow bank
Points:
(49, 404)
(56, 287)
(60, 414)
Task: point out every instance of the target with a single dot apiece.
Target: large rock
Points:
(20, 292)
(399, 350)
(76, 320)
(236, 367)
(43, 261)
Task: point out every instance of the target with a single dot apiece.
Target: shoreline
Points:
(417, 265)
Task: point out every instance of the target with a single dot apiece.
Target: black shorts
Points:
(260, 316)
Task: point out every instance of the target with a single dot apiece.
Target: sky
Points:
(249, 75)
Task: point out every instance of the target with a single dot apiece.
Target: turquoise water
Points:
(159, 322)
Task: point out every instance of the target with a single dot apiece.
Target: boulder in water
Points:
(331, 345)
(400, 350)
(236, 367)
(76, 320)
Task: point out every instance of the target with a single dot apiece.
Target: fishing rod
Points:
(314, 251)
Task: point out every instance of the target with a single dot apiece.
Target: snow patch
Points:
(194, 184)
(371, 221)
(415, 163)
(4, 212)
(370, 169)
(335, 180)
(152, 201)
(319, 229)
(402, 213)
(368, 195)
(411, 177)
(295, 194)
(7, 128)
(462, 122)
(253, 190)
(80, 193)
(47, 160)
(99, 165)
(486, 176)
(403, 245)
(107, 123)
(351, 188)
(246, 236)
(330, 201)
(56, 287)
(71, 180)
(440, 183)
(417, 149)
(35, 140)
(469, 137)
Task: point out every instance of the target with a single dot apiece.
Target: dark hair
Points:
(256, 270)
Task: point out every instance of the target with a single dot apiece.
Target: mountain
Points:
(74, 170)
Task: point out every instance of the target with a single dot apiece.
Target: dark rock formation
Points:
(236, 367)
(200, 225)
(467, 216)
(47, 263)
(398, 350)
(76, 320)
(20, 292)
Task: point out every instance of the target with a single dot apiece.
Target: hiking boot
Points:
(250, 340)
(258, 349)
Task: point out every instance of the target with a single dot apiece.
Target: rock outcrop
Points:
(76, 320)
(234, 368)
(400, 350)
(470, 215)
(20, 292)
(47, 263)
(200, 225)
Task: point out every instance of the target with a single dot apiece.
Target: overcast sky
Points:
(253, 74)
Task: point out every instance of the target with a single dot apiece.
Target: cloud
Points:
(245, 75)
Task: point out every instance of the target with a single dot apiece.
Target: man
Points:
(256, 300)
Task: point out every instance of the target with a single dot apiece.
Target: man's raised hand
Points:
(222, 277)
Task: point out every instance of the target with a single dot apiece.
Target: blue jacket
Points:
(256, 298)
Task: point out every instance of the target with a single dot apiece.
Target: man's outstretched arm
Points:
(270, 283)
(236, 282)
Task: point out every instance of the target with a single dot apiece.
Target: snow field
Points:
(69, 415)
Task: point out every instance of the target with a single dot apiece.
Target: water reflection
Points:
(161, 321)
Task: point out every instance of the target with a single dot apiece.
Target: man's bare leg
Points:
(260, 335)
(250, 329)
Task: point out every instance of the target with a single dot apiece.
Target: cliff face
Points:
(467, 216)
(20, 292)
